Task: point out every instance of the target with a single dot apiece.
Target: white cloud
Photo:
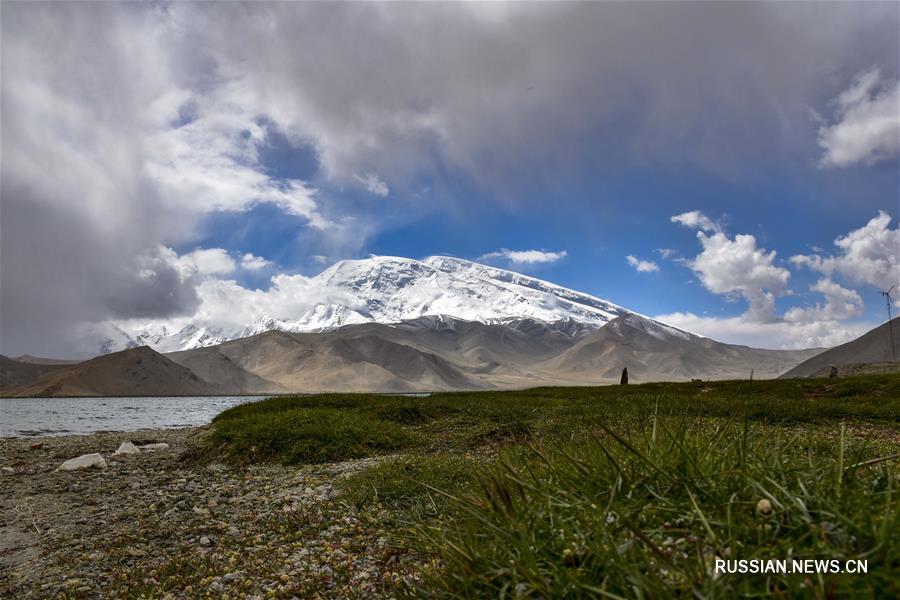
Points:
(225, 301)
(696, 220)
(210, 261)
(866, 124)
(666, 252)
(525, 257)
(210, 162)
(737, 266)
(251, 262)
(840, 303)
(870, 254)
(776, 334)
(373, 184)
(202, 261)
(642, 266)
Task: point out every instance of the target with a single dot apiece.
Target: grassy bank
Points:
(613, 491)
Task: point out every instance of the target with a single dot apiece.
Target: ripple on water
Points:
(20, 417)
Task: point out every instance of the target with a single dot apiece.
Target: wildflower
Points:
(764, 507)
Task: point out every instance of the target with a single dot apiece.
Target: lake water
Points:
(65, 416)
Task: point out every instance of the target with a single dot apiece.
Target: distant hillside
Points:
(136, 372)
(432, 353)
(354, 358)
(875, 368)
(16, 372)
(872, 347)
(444, 353)
(214, 366)
(40, 360)
(654, 352)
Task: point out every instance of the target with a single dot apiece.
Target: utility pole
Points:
(887, 300)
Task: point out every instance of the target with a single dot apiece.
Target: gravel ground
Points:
(160, 525)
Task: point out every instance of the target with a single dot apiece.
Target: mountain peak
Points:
(393, 289)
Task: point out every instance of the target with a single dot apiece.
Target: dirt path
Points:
(155, 522)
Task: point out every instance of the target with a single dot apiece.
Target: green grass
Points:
(407, 481)
(631, 512)
(302, 434)
(616, 491)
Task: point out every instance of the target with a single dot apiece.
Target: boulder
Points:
(85, 461)
(126, 448)
(154, 447)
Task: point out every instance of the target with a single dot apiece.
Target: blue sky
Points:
(193, 145)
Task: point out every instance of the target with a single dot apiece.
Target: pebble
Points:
(146, 525)
(126, 448)
(85, 461)
(154, 447)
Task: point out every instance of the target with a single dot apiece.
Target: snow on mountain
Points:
(389, 290)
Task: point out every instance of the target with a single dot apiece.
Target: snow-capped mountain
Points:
(390, 290)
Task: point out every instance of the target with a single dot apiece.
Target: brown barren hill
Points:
(654, 352)
(339, 361)
(17, 372)
(135, 372)
(871, 347)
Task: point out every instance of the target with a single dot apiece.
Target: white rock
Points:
(153, 447)
(85, 461)
(8, 470)
(127, 448)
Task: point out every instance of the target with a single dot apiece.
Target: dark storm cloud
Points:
(511, 98)
(492, 88)
(80, 220)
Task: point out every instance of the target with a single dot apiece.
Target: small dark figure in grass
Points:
(624, 380)
(833, 373)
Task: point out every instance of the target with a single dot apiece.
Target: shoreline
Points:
(99, 434)
(158, 521)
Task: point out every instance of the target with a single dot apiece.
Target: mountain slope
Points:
(443, 353)
(431, 353)
(213, 366)
(652, 353)
(40, 360)
(342, 360)
(134, 372)
(15, 372)
(389, 290)
(871, 347)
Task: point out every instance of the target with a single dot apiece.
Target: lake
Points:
(21, 417)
